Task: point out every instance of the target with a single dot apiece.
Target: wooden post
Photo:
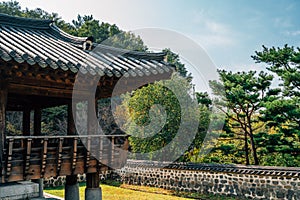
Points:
(71, 123)
(37, 128)
(26, 122)
(72, 186)
(41, 187)
(92, 125)
(93, 190)
(92, 119)
(3, 101)
(37, 121)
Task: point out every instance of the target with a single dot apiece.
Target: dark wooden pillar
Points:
(26, 122)
(92, 117)
(93, 190)
(72, 186)
(37, 121)
(3, 101)
(71, 129)
(37, 128)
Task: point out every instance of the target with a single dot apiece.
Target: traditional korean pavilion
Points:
(39, 64)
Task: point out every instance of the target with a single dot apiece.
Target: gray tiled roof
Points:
(41, 42)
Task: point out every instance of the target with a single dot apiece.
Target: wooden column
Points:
(71, 123)
(26, 122)
(3, 101)
(92, 119)
(93, 190)
(37, 121)
(72, 186)
(37, 128)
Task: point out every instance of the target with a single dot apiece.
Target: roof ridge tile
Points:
(25, 22)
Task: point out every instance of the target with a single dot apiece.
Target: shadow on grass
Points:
(63, 187)
(111, 183)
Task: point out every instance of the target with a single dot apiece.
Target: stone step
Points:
(19, 190)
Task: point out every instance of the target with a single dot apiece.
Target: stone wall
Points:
(244, 182)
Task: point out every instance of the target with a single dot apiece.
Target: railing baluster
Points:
(74, 157)
(88, 154)
(112, 150)
(9, 158)
(44, 157)
(100, 149)
(59, 155)
(27, 158)
(106, 153)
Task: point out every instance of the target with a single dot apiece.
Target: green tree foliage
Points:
(282, 111)
(155, 114)
(174, 59)
(241, 96)
(54, 121)
(204, 99)
(278, 149)
(11, 8)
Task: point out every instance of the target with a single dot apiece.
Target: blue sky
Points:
(230, 31)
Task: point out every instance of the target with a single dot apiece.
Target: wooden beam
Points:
(39, 91)
(18, 102)
(3, 101)
(45, 91)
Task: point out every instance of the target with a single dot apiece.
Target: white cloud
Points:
(212, 26)
(283, 22)
(215, 27)
(211, 33)
(210, 41)
(293, 33)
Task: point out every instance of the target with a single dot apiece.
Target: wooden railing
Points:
(34, 157)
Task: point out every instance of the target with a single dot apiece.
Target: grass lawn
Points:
(117, 193)
(130, 192)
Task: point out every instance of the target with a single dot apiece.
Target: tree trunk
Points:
(256, 162)
(246, 149)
